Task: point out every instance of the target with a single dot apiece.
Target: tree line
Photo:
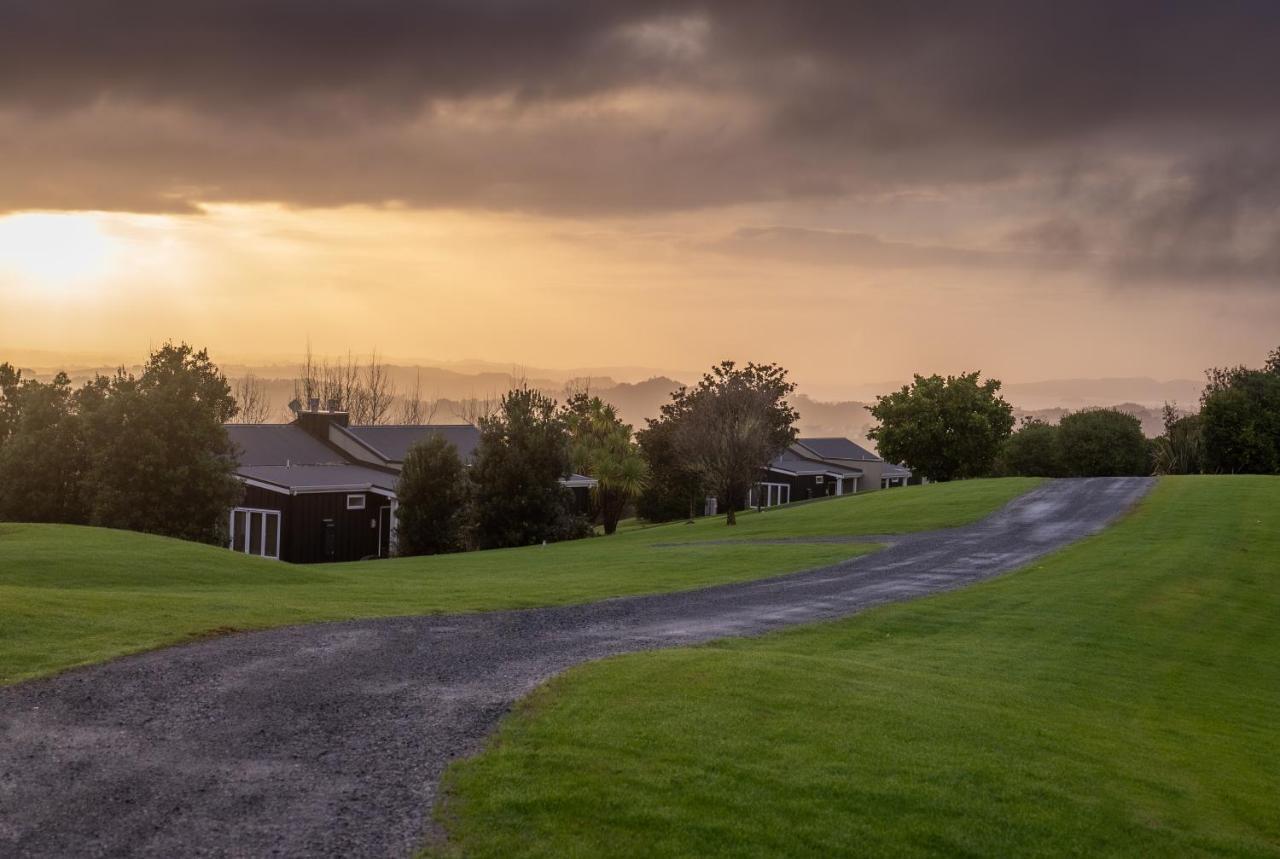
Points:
(145, 453)
(151, 452)
(714, 436)
(960, 426)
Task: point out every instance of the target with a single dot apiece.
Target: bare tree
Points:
(414, 410)
(377, 392)
(475, 409)
(575, 387)
(308, 382)
(252, 398)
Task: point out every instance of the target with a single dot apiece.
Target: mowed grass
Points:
(70, 596)
(1121, 698)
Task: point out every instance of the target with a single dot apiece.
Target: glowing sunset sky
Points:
(1038, 190)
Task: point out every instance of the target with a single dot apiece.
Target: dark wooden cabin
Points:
(318, 489)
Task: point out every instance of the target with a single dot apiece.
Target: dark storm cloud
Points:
(841, 247)
(592, 107)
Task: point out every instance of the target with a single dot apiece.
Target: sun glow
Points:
(54, 251)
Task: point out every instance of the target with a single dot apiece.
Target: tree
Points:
(522, 454)
(601, 447)
(414, 410)
(253, 403)
(432, 494)
(160, 459)
(1032, 451)
(729, 425)
(10, 384)
(1181, 449)
(1103, 443)
(1240, 419)
(673, 490)
(943, 429)
(377, 392)
(42, 451)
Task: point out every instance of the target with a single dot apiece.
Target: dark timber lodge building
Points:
(818, 467)
(318, 489)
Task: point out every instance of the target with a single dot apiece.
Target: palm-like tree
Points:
(602, 448)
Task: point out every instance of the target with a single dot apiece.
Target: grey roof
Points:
(891, 470)
(334, 478)
(576, 479)
(788, 461)
(837, 448)
(279, 444)
(392, 443)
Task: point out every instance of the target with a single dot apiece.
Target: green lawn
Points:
(70, 596)
(1121, 698)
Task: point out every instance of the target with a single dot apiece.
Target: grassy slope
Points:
(1119, 698)
(75, 595)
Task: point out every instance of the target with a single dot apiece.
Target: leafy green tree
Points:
(1032, 451)
(522, 454)
(1181, 449)
(10, 385)
(160, 460)
(730, 424)
(1240, 419)
(943, 429)
(1103, 443)
(674, 490)
(601, 447)
(42, 451)
(432, 495)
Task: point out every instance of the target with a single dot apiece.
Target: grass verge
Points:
(1119, 698)
(70, 596)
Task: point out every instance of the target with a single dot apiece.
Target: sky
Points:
(857, 191)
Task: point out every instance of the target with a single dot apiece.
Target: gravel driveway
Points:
(330, 739)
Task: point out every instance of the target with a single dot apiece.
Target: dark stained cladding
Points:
(319, 490)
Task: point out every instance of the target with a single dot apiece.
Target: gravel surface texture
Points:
(330, 739)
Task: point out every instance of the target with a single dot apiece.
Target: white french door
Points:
(255, 532)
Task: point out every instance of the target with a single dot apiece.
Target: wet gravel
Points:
(330, 739)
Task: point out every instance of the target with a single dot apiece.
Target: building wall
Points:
(804, 487)
(303, 528)
(872, 471)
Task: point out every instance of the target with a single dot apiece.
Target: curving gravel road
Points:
(330, 739)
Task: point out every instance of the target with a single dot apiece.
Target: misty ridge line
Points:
(432, 393)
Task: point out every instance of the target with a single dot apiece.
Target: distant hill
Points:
(452, 384)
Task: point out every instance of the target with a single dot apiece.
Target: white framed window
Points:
(355, 502)
(770, 494)
(255, 532)
(819, 479)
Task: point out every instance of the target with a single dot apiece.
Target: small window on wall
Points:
(818, 479)
(355, 502)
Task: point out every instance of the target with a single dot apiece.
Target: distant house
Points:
(318, 489)
(877, 474)
(818, 467)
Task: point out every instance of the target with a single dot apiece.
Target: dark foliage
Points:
(674, 490)
(147, 454)
(1240, 419)
(1103, 443)
(727, 427)
(1032, 451)
(943, 429)
(432, 494)
(600, 446)
(42, 451)
(1180, 450)
(522, 454)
